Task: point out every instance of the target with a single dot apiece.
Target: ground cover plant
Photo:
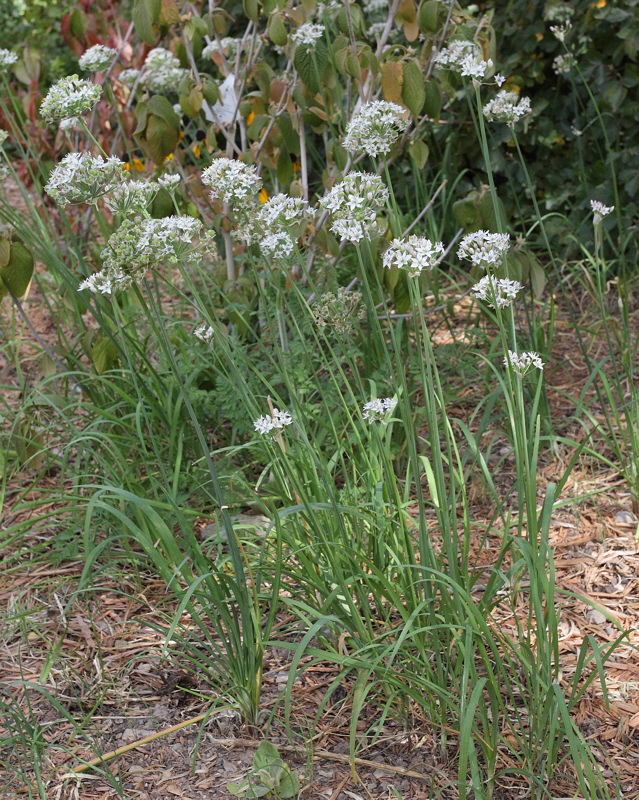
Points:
(313, 345)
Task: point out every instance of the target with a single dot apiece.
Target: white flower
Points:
(484, 249)
(129, 76)
(507, 107)
(231, 180)
(523, 362)
(560, 31)
(4, 172)
(69, 97)
(563, 63)
(414, 254)
(339, 310)
(82, 178)
(204, 332)
(274, 225)
(379, 409)
(162, 72)
(464, 57)
(558, 12)
(499, 79)
(600, 211)
(227, 46)
(355, 204)
(7, 58)
(375, 128)
(97, 58)
(132, 197)
(4, 135)
(308, 33)
(170, 182)
(497, 292)
(277, 245)
(275, 422)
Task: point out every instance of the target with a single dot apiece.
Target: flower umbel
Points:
(484, 249)
(69, 97)
(355, 204)
(82, 178)
(7, 58)
(204, 332)
(523, 362)
(277, 421)
(379, 409)
(340, 310)
(464, 57)
(414, 254)
(231, 180)
(507, 107)
(497, 292)
(309, 33)
(97, 58)
(599, 211)
(375, 128)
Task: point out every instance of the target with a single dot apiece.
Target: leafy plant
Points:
(270, 776)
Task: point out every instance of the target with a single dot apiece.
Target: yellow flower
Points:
(263, 198)
(250, 118)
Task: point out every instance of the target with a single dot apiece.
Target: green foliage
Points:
(270, 776)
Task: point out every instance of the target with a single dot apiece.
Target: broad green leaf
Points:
(104, 354)
(413, 89)
(17, 273)
(5, 252)
(433, 99)
(146, 14)
(392, 81)
(161, 139)
(427, 16)
(311, 62)
(161, 107)
(419, 152)
(265, 755)
(277, 30)
(170, 13)
(467, 214)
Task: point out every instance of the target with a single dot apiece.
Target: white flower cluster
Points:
(161, 72)
(379, 409)
(231, 180)
(497, 292)
(170, 181)
(132, 198)
(507, 107)
(97, 58)
(308, 33)
(600, 211)
(69, 97)
(7, 58)
(82, 178)
(354, 204)
(4, 135)
(139, 244)
(464, 57)
(339, 310)
(375, 128)
(4, 172)
(415, 255)
(484, 249)
(275, 225)
(563, 63)
(523, 362)
(204, 332)
(227, 46)
(275, 422)
(560, 31)
(558, 12)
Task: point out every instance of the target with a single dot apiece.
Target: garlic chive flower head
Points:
(496, 292)
(162, 72)
(374, 129)
(464, 57)
(129, 76)
(379, 409)
(355, 204)
(275, 422)
(499, 79)
(523, 362)
(275, 225)
(600, 211)
(339, 311)
(204, 332)
(484, 249)
(97, 58)
(414, 254)
(170, 182)
(563, 63)
(132, 198)
(231, 180)
(507, 107)
(7, 58)
(138, 245)
(69, 97)
(4, 135)
(309, 33)
(82, 178)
